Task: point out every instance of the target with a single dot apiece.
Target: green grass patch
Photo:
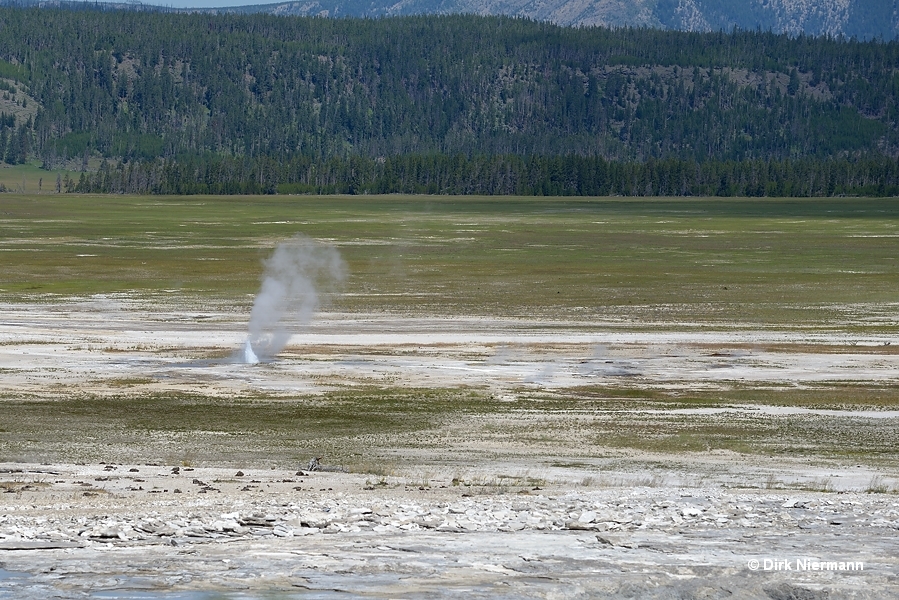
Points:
(651, 420)
(353, 426)
(30, 179)
(341, 424)
(788, 263)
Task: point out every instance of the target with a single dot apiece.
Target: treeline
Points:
(15, 142)
(146, 85)
(492, 175)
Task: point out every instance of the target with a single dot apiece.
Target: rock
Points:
(168, 530)
(107, 532)
(616, 541)
(607, 539)
(317, 520)
(425, 523)
(148, 527)
(225, 525)
(38, 545)
(280, 530)
(588, 516)
(196, 532)
(787, 591)
(258, 521)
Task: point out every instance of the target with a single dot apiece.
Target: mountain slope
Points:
(861, 19)
(864, 19)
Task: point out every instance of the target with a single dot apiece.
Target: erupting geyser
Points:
(294, 275)
(249, 357)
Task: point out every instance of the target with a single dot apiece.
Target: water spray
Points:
(295, 275)
(249, 357)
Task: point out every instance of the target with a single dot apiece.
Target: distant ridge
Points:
(862, 19)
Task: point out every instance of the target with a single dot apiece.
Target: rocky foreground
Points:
(70, 530)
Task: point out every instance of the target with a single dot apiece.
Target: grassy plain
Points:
(30, 178)
(817, 265)
(775, 262)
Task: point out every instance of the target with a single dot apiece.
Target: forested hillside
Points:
(167, 89)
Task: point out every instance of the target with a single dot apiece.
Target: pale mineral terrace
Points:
(72, 530)
(464, 514)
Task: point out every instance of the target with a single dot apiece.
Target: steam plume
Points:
(295, 274)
